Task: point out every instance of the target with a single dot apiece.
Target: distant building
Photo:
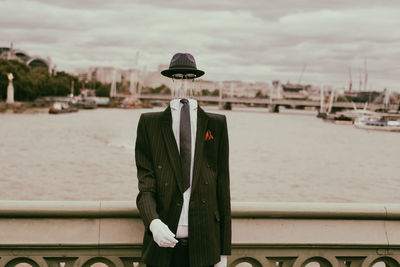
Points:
(105, 74)
(144, 78)
(154, 79)
(234, 88)
(295, 91)
(244, 89)
(9, 53)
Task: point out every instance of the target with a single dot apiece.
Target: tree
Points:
(22, 82)
(103, 90)
(30, 83)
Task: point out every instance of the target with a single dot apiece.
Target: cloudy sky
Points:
(254, 40)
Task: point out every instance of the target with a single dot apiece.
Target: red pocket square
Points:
(209, 135)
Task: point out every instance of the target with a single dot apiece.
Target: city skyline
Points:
(313, 43)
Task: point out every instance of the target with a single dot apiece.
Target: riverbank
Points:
(43, 105)
(24, 107)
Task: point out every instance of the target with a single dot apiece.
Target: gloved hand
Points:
(223, 262)
(161, 234)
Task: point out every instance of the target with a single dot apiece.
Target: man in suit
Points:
(182, 159)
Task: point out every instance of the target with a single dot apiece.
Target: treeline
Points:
(31, 83)
(162, 89)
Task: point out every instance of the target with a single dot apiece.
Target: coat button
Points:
(166, 184)
(206, 182)
(159, 166)
(204, 201)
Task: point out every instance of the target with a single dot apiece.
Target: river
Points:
(282, 157)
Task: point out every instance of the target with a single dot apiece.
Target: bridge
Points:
(109, 234)
(272, 104)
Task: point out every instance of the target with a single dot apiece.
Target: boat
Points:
(87, 103)
(362, 96)
(61, 107)
(337, 118)
(389, 123)
(130, 102)
(295, 91)
(345, 116)
(354, 114)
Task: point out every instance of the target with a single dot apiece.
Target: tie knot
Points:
(184, 101)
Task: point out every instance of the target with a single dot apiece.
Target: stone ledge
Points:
(103, 209)
(117, 223)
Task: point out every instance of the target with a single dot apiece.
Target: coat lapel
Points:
(202, 120)
(171, 145)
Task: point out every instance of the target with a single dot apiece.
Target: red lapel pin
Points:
(209, 135)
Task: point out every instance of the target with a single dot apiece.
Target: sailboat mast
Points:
(321, 104)
(365, 74)
(331, 101)
(113, 89)
(387, 98)
(351, 80)
(72, 87)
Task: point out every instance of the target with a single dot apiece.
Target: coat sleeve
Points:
(223, 191)
(146, 199)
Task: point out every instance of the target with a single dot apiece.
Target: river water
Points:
(282, 157)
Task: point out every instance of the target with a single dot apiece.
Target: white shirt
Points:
(176, 105)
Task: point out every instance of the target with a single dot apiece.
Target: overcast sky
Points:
(253, 40)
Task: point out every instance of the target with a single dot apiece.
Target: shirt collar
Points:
(175, 103)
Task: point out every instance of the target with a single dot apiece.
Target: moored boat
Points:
(383, 123)
(295, 91)
(61, 107)
(87, 103)
(337, 118)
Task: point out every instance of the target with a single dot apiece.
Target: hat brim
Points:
(169, 72)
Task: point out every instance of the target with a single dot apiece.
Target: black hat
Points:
(183, 63)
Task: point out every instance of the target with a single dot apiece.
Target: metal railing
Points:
(82, 233)
(276, 102)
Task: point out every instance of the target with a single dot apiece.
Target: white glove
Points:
(223, 262)
(162, 235)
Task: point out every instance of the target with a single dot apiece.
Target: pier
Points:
(81, 233)
(272, 104)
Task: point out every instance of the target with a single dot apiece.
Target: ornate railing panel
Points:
(83, 234)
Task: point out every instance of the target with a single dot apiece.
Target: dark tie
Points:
(185, 142)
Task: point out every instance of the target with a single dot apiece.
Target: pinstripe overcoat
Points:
(160, 190)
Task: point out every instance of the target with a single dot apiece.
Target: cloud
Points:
(249, 40)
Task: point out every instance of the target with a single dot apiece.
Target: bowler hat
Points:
(182, 63)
